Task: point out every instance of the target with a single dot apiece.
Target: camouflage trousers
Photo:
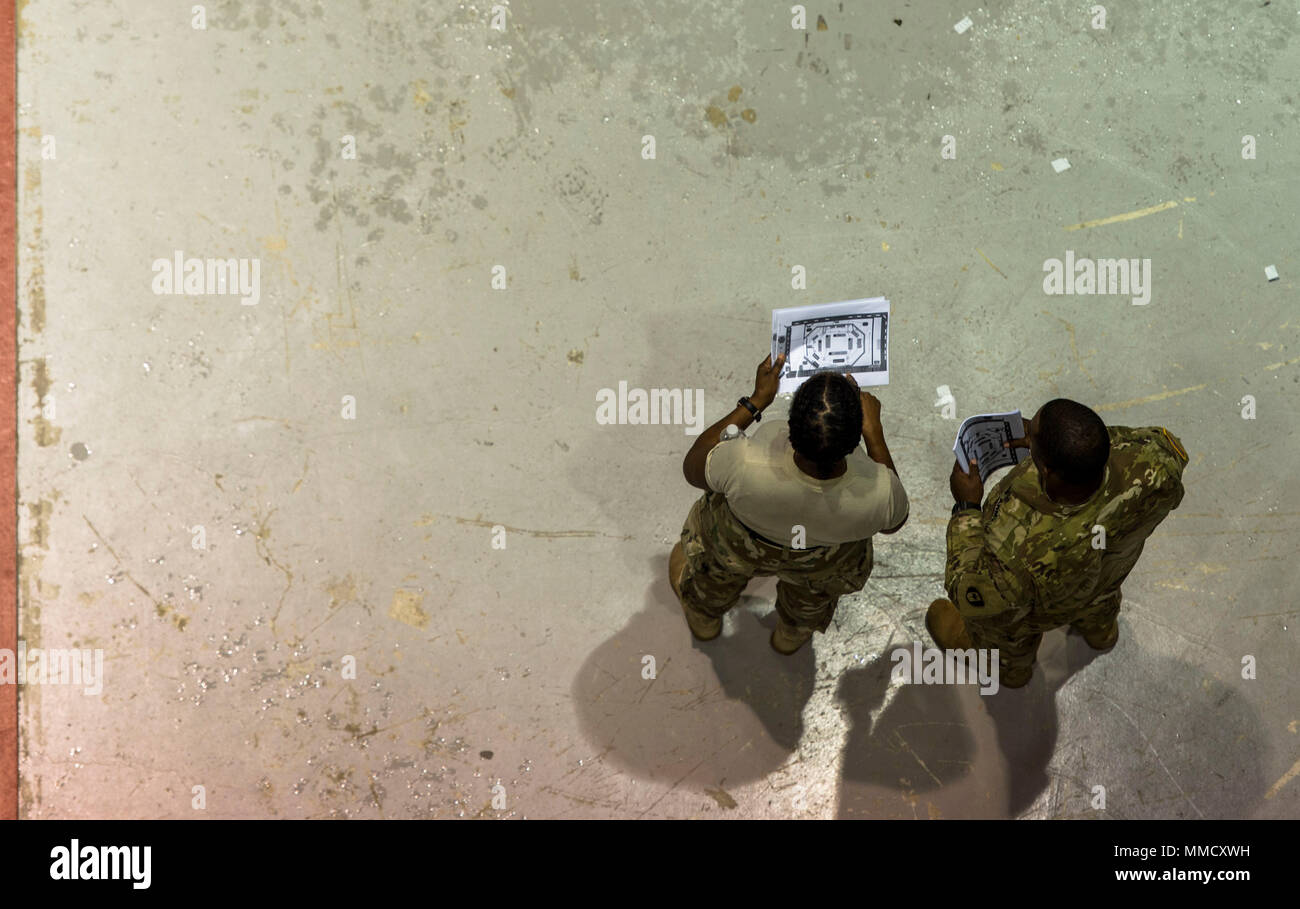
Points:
(1016, 633)
(722, 555)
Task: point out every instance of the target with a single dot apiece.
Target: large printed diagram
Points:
(850, 337)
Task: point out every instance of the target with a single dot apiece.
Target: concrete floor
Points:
(372, 538)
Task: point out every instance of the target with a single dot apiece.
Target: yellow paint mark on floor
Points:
(1286, 778)
(991, 265)
(1121, 405)
(722, 797)
(341, 590)
(1127, 216)
(1074, 347)
(24, 27)
(406, 608)
(539, 533)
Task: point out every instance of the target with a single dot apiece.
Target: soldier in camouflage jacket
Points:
(1056, 537)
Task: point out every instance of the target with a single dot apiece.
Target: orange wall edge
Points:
(8, 410)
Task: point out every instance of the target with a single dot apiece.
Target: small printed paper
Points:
(965, 23)
(981, 437)
(1061, 164)
(1270, 272)
(850, 337)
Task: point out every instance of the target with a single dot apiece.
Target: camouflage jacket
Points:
(1025, 552)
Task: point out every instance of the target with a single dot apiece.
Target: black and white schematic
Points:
(983, 437)
(849, 337)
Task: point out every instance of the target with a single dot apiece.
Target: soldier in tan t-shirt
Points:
(799, 500)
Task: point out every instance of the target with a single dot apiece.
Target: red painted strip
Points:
(8, 410)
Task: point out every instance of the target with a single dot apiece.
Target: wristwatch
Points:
(963, 505)
(749, 405)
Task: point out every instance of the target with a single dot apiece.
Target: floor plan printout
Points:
(849, 337)
(981, 437)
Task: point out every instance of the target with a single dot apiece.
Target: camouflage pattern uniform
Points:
(1026, 564)
(722, 554)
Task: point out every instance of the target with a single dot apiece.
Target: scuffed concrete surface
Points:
(329, 538)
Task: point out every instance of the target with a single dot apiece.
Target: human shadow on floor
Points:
(919, 741)
(735, 715)
(922, 746)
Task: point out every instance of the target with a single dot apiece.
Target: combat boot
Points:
(787, 639)
(1105, 639)
(948, 630)
(703, 627)
(946, 627)
(1015, 678)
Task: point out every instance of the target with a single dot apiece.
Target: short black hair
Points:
(826, 418)
(1073, 441)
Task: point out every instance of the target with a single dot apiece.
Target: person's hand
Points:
(1022, 442)
(966, 487)
(870, 408)
(766, 381)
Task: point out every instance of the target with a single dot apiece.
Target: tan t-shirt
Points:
(770, 494)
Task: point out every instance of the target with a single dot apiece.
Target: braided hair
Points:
(825, 419)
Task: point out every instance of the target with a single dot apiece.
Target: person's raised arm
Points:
(766, 382)
(873, 436)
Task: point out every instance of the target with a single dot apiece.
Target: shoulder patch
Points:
(1174, 444)
(977, 597)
